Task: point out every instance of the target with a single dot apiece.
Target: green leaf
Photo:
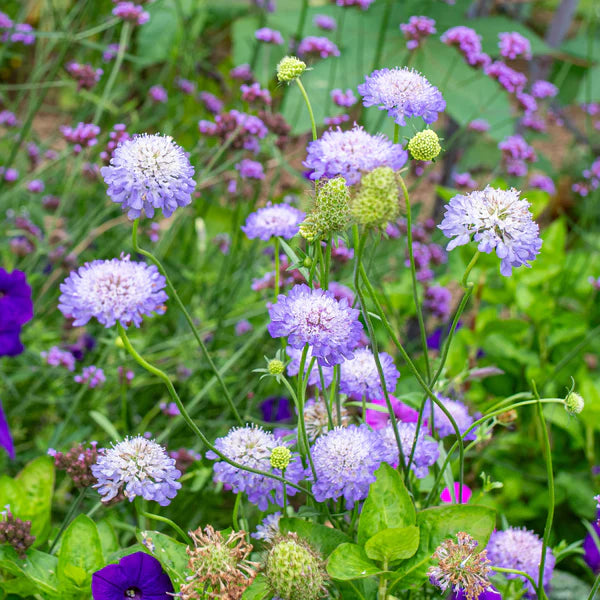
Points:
(322, 538)
(80, 553)
(436, 525)
(105, 424)
(388, 505)
(169, 552)
(156, 39)
(393, 544)
(349, 561)
(258, 590)
(108, 538)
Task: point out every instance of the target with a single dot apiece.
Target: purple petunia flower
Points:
(521, 550)
(542, 182)
(325, 22)
(158, 93)
(513, 44)
(468, 42)
(426, 449)
(314, 377)
(591, 549)
(6, 440)
(16, 309)
(138, 576)
(345, 461)
(269, 36)
(459, 412)
(137, 467)
(352, 153)
(113, 290)
(251, 446)
(316, 318)
(416, 30)
(277, 220)
(250, 169)
(128, 11)
(359, 376)
(318, 46)
(148, 172)
(404, 93)
(345, 99)
(496, 219)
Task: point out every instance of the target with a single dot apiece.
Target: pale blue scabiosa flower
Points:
(112, 290)
(138, 467)
(345, 461)
(459, 412)
(352, 153)
(359, 376)
(268, 530)
(499, 221)
(520, 549)
(314, 317)
(252, 446)
(426, 450)
(149, 172)
(314, 377)
(404, 93)
(276, 220)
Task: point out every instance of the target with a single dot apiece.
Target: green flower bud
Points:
(294, 571)
(307, 262)
(425, 145)
(376, 202)
(275, 367)
(574, 403)
(280, 457)
(290, 68)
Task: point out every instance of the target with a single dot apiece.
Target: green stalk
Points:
(516, 572)
(191, 424)
(595, 588)
(301, 395)
(236, 510)
(276, 250)
(188, 318)
(72, 510)
(382, 31)
(309, 107)
(186, 538)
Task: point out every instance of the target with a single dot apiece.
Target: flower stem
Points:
(310, 110)
(72, 510)
(175, 396)
(236, 510)
(516, 572)
(186, 538)
(276, 250)
(382, 31)
(594, 589)
(188, 318)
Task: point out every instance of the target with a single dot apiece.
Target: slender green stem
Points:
(383, 582)
(188, 318)
(301, 395)
(186, 538)
(550, 473)
(301, 22)
(236, 510)
(72, 510)
(413, 272)
(594, 589)
(276, 250)
(284, 495)
(515, 572)
(310, 110)
(385, 20)
(191, 424)
(123, 41)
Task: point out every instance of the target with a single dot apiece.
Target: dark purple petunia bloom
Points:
(16, 308)
(591, 549)
(275, 409)
(6, 440)
(138, 576)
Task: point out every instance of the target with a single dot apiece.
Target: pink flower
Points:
(446, 497)
(379, 420)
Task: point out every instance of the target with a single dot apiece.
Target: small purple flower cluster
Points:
(254, 93)
(56, 357)
(133, 13)
(317, 46)
(325, 22)
(21, 32)
(83, 135)
(416, 30)
(250, 169)
(516, 153)
(85, 75)
(247, 129)
(591, 180)
(91, 376)
(542, 182)
(511, 80)
(117, 136)
(344, 99)
(468, 42)
(212, 104)
(437, 301)
(158, 94)
(513, 45)
(269, 36)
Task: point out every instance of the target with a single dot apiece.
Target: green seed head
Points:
(309, 229)
(280, 457)
(290, 68)
(276, 367)
(294, 571)
(332, 211)
(425, 145)
(376, 202)
(574, 403)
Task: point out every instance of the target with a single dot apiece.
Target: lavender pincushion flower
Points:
(404, 93)
(314, 317)
(521, 550)
(277, 220)
(460, 414)
(352, 153)
(251, 446)
(148, 172)
(345, 461)
(113, 290)
(138, 467)
(359, 376)
(496, 219)
(314, 378)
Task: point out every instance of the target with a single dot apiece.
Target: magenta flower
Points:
(379, 420)
(446, 496)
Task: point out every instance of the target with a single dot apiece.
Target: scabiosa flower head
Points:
(424, 145)
(521, 550)
(345, 461)
(513, 45)
(352, 153)
(345, 99)
(269, 36)
(276, 220)
(316, 418)
(148, 172)
(437, 301)
(480, 125)
(128, 11)
(15, 532)
(574, 404)
(325, 22)
(497, 220)
(138, 576)
(359, 376)
(461, 567)
(316, 318)
(404, 93)
(459, 412)
(317, 46)
(376, 202)
(85, 75)
(113, 290)
(56, 357)
(81, 136)
(416, 30)
(331, 213)
(468, 42)
(516, 153)
(268, 530)
(290, 68)
(426, 449)
(314, 378)
(251, 446)
(250, 169)
(138, 467)
(542, 182)
(511, 80)
(543, 89)
(211, 102)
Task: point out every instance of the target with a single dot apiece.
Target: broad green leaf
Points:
(38, 568)
(170, 553)
(108, 538)
(258, 590)
(436, 525)
(322, 538)
(393, 544)
(349, 561)
(388, 505)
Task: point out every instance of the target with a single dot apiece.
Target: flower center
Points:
(133, 592)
